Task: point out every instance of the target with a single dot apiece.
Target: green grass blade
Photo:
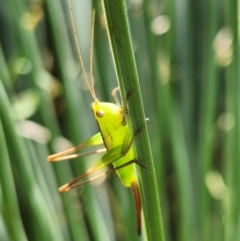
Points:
(173, 122)
(207, 120)
(128, 80)
(233, 135)
(20, 159)
(10, 210)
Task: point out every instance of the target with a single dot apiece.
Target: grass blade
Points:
(128, 80)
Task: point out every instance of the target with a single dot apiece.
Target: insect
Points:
(114, 133)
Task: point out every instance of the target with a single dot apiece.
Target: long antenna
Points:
(90, 86)
(91, 53)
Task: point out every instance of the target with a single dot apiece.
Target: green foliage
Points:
(186, 57)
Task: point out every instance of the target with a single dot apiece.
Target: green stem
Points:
(119, 36)
(232, 138)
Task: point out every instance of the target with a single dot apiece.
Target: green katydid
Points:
(115, 134)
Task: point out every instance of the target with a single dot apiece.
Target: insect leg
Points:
(114, 95)
(128, 143)
(59, 157)
(63, 155)
(125, 103)
(77, 181)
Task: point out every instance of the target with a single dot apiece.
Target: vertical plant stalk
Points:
(120, 42)
(11, 212)
(207, 120)
(233, 135)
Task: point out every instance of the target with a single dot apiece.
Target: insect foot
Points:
(125, 110)
(129, 94)
(141, 165)
(138, 131)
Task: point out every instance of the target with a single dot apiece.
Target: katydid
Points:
(115, 134)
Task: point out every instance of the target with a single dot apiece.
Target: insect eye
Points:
(100, 113)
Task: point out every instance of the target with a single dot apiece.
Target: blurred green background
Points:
(187, 56)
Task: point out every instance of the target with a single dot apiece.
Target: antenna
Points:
(89, 83)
